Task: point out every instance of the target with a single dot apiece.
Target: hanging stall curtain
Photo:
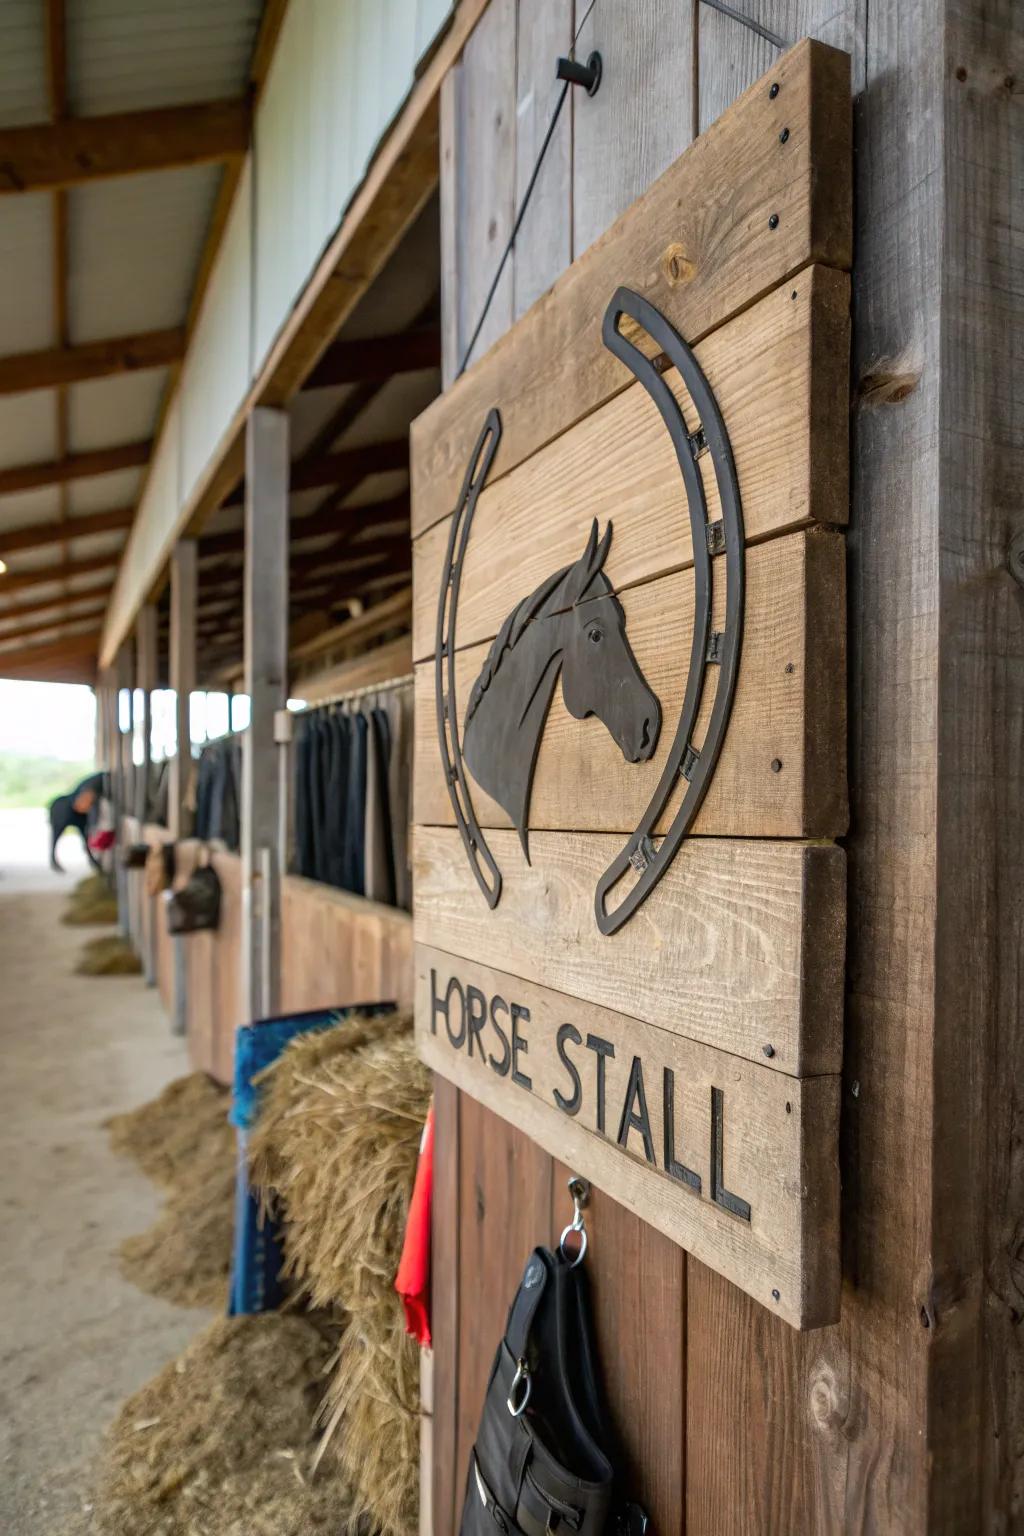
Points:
(352, 769)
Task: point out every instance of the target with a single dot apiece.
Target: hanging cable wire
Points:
(520, 214)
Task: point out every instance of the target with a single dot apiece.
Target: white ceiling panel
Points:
(28, 427)
(30, 507)
(134, 246)
(397, 403)
(26, 236)
(23, 88)
(378, 488)
(129, 54)
(103, 492)
(117, 410)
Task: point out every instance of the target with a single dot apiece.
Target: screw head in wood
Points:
(784, 136)
(774, 91)
(773, 222)
(776, 1296)
(769, 1050)
(776, 765)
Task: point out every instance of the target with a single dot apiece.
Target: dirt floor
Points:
(75, 1338)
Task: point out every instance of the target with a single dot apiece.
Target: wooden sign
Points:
(629, 635)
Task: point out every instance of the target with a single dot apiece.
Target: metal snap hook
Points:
(522, 1378)
(579, 1189)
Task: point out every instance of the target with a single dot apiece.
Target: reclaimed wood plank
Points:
(782, 772)
(630, 131)
(784, 1251)
(749, 935)
(781, 375)
(772, 215)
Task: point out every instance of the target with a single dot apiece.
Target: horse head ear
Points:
(601, 553)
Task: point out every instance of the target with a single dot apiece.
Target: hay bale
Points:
(334, 1152)
(108, 955)
(183, 1141)
(221, 1441)
(91, 902)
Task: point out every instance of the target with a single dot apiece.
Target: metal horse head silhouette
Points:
(571, 625)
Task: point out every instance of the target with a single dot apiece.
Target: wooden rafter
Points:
(57, 83)
(80, 149)
(56, 650)
(99, 593)
(17, 581)
(56, 367)
(41, 626)
(39, 535)
(377, 358)
(75, 466)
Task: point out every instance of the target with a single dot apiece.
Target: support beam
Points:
(183, 679)
(80, 149)
(377, 358)
(76, 466)
(39, 535)
(146, 679)
(266, 683)
(56, 367)
(17, 581)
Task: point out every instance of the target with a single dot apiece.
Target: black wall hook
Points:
(588, 75)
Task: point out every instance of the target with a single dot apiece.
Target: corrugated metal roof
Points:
(26, 261)
(129, 54)
(28, 430)
(23, 86)
(131, 400)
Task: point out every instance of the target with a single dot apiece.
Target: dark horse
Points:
(573, 625)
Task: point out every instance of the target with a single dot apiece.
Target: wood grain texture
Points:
(338, 949)
(544, 243)
(780, 374)
(486, 107)
(496, 1237)
(780, 1133)
(641, 117)
(699, 268)
(749, 935)
(445, 1242)
(789, 709)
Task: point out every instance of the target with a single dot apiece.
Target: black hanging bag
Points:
(197, 905)
(544, 1459)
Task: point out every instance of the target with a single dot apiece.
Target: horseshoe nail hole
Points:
(789, 1108)
(790, 668)
(784, 136)
(961, 74)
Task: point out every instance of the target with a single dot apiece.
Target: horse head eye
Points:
(595, 634)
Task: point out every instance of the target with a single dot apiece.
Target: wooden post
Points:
(183, 678)
(145, 668)
(266, 682)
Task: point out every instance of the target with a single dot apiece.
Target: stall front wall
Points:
(338, 949)
(733, 1422)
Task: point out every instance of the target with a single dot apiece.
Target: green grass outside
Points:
(35, 781)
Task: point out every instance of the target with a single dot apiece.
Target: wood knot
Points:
(890, 380)
(827, 1402)
(676, 266)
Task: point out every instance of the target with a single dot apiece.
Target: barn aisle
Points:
(75, 1338)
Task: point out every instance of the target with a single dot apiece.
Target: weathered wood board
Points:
(733, 1161)
(780, 375)
(788, 711)
(741, 945)
(734, 217)
(640, 607)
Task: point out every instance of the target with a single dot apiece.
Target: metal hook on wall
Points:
(579, 1189)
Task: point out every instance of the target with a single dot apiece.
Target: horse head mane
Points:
(582, 572)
